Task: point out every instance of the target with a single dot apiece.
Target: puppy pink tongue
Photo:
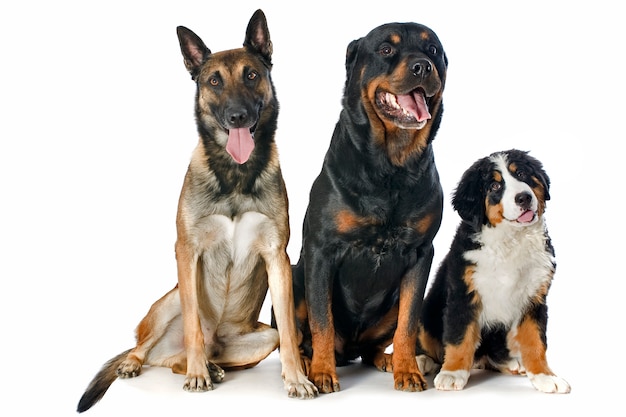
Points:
(526, 216)
(415, 103)
(240, 144)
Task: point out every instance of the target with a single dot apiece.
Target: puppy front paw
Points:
(451, 380)
(549, 383)
(426, 364)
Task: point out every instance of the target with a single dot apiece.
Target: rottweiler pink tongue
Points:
(415, 103)
(526, 216)
(240, 144)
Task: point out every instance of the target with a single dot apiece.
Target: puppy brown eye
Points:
(495, 186)
(252, 75)
(521, 174)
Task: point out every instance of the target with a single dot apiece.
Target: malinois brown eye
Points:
(252, 75)
(214, 81)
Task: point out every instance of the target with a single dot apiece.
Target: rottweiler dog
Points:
(373, 211)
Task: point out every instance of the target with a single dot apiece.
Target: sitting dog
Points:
(374, 210)
(487, 305)
(232, 234)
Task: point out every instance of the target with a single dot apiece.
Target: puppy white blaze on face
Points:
(516, 200)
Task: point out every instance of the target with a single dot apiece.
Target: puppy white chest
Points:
(511, 267)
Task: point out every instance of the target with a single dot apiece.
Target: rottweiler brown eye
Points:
(386, 50)
(432, 49)
(253, 75)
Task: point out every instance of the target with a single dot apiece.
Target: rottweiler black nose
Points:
(421, 67)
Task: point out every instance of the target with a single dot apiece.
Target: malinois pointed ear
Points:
(258, 36)
(194, 50)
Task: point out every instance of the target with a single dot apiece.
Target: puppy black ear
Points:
(545, 181)
(540, 174)
(469, 197)
(258, 36)
(194, 50)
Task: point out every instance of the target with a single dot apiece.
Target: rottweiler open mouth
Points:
(408, 111)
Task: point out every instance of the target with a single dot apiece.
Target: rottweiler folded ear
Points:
(469, 197)
(352, 88)
(258, 37)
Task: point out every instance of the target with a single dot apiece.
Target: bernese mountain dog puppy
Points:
(487, 307)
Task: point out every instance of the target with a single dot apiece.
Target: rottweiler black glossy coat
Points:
(374, 210)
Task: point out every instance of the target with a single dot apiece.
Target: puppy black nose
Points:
(523, 200)
(421, 67)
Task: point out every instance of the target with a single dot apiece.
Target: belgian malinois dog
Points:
(232, 234)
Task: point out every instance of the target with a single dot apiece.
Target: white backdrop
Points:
(97, 130)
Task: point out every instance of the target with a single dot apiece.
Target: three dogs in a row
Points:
(359, 285)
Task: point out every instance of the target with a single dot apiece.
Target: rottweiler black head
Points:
(395, 80)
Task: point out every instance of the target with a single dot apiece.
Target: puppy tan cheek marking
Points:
(532, 349)
(494, 212)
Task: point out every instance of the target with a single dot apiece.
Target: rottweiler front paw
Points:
(408, 381)
(325, 382)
